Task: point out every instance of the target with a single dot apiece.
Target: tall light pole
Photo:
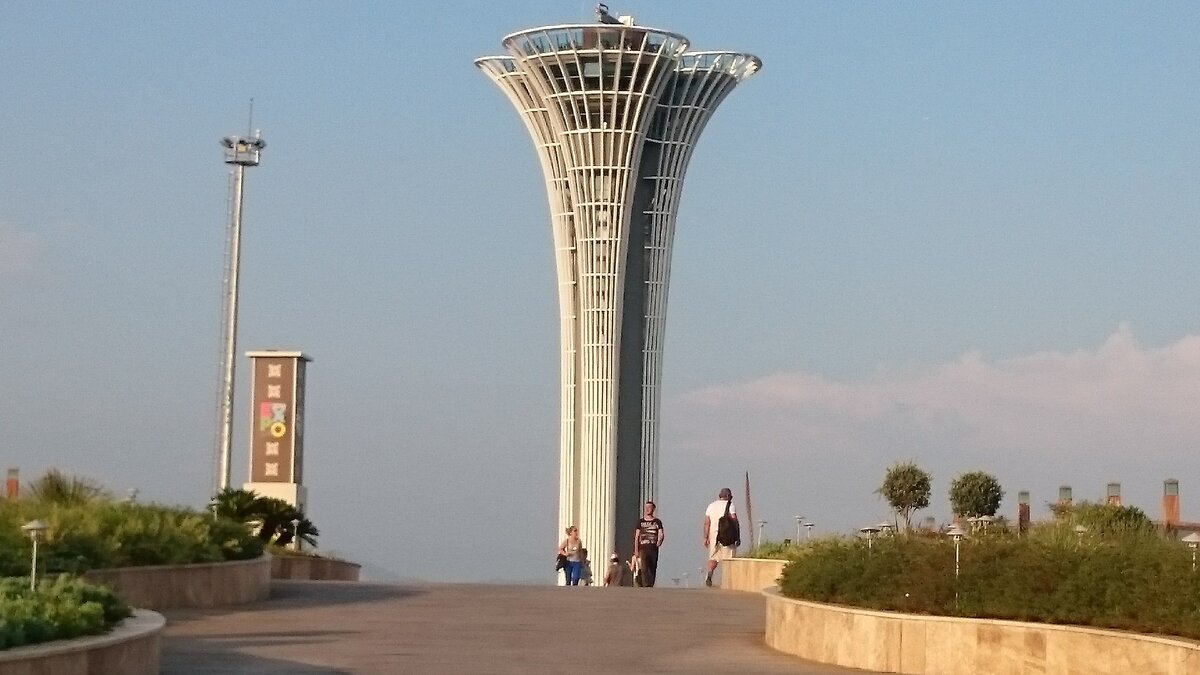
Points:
(239, 153)
(799, 523)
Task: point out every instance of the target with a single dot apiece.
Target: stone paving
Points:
(339, 627)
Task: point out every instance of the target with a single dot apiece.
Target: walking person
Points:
(572, 548)
(722, 534)
(648, 537)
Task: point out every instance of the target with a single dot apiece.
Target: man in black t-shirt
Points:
(648, 536)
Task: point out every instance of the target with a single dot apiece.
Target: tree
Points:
(276, 517)
(239, 505)
(1109, 518)
(906, 489)
(975, 494)
(56, 487)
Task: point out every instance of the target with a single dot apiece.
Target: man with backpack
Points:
(722, 534)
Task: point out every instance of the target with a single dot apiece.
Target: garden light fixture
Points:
(34, 529)
(1193, 542)
(958, 535)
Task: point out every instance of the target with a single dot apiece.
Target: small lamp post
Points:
(808, 528)
(296, 534)
(870, 531)
(760, 529)
(686, 583)
(799, 522)
(885, 528)
(957, 534)
(1193, 542)
(34, 529)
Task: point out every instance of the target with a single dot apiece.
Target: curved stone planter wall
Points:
(302, 567)
(750, 574)
(189, 586)
(933, 645)
(132, 648)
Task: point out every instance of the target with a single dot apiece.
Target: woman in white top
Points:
(572, 548)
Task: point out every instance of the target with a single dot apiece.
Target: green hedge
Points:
(1134, 580)
(60, 609)
(103, 534)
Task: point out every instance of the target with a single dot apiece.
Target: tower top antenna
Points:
(250, 120)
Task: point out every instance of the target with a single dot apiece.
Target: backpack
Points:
(729, 533)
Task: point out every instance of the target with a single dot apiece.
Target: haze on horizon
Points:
(967, 235)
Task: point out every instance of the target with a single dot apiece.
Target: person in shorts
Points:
(712, 516)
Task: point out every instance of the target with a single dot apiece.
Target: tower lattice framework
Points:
(614, 111)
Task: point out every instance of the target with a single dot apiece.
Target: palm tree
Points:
(276, 518)
(239, 505)
(56, 487)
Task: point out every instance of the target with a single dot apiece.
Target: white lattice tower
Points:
(614, 112)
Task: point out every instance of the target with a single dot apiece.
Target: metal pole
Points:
(798, 519)
(33, 569)
(956, 557)
(230, 349)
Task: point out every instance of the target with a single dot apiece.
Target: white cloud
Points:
(1120, 411)
(1078, 403)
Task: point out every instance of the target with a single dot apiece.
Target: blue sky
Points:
(965, 234)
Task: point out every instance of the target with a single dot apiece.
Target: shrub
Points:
(101, 534)
(60, 609)
(776, 550)
(1133, 580)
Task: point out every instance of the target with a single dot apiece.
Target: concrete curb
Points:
(131, 648)
(931, 645)
(200, 586)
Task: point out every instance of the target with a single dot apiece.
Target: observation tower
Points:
(614, 111)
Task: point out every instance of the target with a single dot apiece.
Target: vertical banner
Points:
(276, 401)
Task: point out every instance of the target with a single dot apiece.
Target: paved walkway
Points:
(330, 627)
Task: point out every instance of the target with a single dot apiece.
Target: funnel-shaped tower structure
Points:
(614, 111)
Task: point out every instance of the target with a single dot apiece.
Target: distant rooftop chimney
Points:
(1064, 495)
(1022, 511)
(1170, 503)
(1112, 495)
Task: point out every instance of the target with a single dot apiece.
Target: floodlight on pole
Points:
(1193, 542)
(239, 153)
(34, 529)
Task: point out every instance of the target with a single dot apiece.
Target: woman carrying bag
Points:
(572, 548)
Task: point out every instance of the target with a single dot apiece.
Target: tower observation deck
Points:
(614, 110)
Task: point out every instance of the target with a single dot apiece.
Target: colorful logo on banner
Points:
(272, 417)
